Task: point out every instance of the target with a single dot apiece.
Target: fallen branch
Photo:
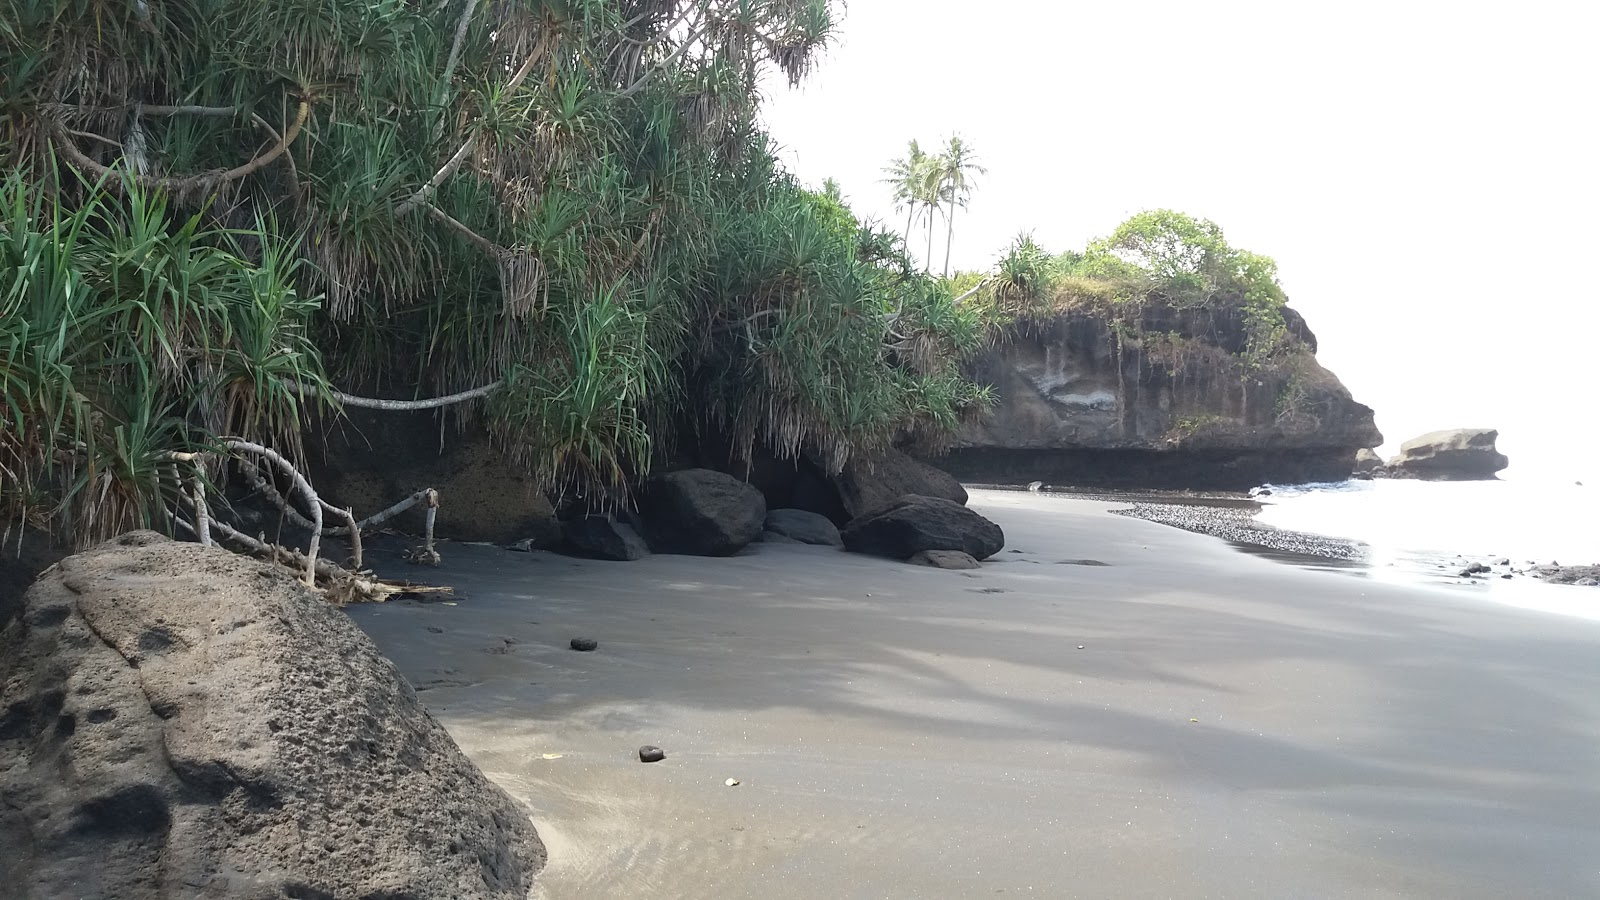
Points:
(342, 585)
(301, 484)
(264, 487)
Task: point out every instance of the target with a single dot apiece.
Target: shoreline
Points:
(1230, 726)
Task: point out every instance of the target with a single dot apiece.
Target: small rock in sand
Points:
(649, 754)
(584, 645)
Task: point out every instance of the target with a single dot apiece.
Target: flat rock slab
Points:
(945, 559)
(184, 722)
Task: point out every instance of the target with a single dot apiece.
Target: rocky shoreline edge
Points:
(1232, 517)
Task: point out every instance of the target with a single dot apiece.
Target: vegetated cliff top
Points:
(1187, 342)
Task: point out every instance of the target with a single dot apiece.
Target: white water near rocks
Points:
(1417, 529)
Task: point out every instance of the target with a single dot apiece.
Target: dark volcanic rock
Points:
(184, 722)
(915, 524)
(805, 527)
(598, 537)
(584, 645)
(1462, 454)
(870, 482)
(945, 559)
(1176, 405)
(701, 513)
(649, 754)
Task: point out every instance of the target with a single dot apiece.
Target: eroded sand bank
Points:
(1232, 727)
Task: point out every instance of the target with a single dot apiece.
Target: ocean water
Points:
(1427, 531)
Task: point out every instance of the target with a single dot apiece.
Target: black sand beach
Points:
(1230, 727)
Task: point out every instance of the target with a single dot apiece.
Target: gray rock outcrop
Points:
(1460, 454)
(1159, 397)
(700, 512)
(1367, 462)
(915, 524)
(178, 721)
(805, 527)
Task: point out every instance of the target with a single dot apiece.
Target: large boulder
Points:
(700, 512)
(1461, 454)
(915, 524)
(598, 537)
(805, 527)
(177, 721)
(872, 482)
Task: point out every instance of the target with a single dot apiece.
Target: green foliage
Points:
(127, 332)
(573, 197)
(1159, 256)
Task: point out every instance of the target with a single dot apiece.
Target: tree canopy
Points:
(217, 213)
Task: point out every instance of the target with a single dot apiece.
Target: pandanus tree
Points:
(558, 214)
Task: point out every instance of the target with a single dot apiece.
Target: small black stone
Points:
(584, 645)
(650, 754)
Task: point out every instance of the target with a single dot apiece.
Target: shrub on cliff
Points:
(1158, 256)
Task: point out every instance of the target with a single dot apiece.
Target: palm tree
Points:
(905, 177)
(955, 167)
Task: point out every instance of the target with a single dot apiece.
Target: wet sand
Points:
(1232, 727)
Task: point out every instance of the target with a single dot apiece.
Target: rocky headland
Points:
(1165, 397)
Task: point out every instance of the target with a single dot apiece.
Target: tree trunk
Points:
(949, 236)
(927, 261)
(911, 212)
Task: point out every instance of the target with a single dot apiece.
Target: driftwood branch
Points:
(307, 390)
(300, 484)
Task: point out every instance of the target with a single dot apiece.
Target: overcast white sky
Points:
(1424, 173)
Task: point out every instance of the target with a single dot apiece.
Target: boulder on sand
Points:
(1461, 454)
(598, 537)
(916, 523)
(700, 512)
(871, 482)
(805, 527)
(180, 721)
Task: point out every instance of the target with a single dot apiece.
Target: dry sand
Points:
(1231, 727)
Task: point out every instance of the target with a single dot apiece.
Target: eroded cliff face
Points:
(1161, 398)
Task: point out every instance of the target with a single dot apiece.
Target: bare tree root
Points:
(336, 583)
